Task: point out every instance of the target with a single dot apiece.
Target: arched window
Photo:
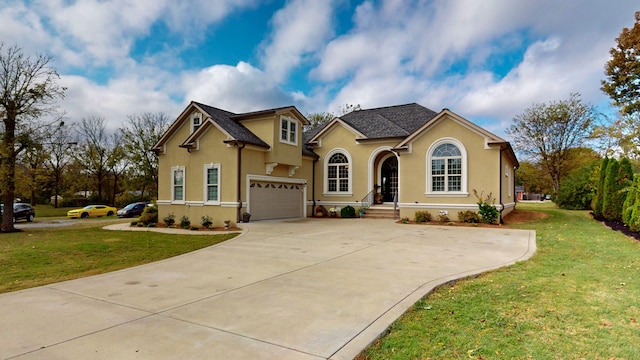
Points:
(446, 168)
(338, 178)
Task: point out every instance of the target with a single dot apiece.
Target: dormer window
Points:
(196, 122)
(288, 130)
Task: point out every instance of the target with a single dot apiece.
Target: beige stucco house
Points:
(220, 164)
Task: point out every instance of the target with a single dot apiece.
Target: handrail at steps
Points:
(367, 201)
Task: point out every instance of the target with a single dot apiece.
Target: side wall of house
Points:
(508, 185)
(211, 151)
(481, 172)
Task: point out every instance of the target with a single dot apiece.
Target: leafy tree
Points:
(623, 70)
(28, 89)
(547, 132)
(317, 119)
(597, 207)
(529, 176)
(139, 135)
(578, 188)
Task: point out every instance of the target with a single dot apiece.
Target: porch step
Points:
(379, 213)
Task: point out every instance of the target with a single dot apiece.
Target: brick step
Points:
(373, 213)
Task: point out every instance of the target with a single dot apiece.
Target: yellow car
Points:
(92, 211)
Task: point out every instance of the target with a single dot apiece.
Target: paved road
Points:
(307, 289)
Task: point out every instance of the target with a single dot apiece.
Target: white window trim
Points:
(463, 152)
(192, 121)
(325, 179)
(206, 184)
(289, 121)
(184, 185)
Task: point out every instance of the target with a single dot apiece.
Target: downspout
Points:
(500, 189)
(239, 181)
(515, 195)
(313, 186)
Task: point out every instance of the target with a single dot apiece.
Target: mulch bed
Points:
(515, 217)
(621, 227)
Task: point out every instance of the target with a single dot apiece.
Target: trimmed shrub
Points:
(468, 216)
(149, 215)
(597, 207)
(348, 212)
(185, 223)
(619, 177)
(488, 212)
(169, 220)
(422, 216)
(630, 201)
(634, 222)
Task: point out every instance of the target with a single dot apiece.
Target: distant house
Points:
(221, 164)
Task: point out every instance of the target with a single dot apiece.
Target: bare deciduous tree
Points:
(139, 135)
(548, 132)
(28, 89)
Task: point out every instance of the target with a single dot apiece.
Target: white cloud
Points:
(300, 29)
(239, 88)
(116, 100)
(397, 53)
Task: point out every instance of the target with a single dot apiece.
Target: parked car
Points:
(92, 211)
(133, 209)
(21, 211)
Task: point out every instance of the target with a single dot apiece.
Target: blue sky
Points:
(485, 60)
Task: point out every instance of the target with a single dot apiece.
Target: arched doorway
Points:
(389, 178)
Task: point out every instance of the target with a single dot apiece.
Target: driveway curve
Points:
(303, 289)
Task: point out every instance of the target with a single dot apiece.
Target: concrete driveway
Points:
(305, 289)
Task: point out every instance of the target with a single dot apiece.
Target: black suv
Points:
(21, 211)
(133, 209)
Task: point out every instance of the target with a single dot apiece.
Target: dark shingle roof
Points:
(224, 119)
(391, 121)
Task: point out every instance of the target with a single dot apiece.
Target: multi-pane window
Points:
(196, 122)
(288, 130)
(178, 183)
(338, 173)
(446, 168)
(212, 185)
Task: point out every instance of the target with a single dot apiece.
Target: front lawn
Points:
(578, 297)
(42, 256)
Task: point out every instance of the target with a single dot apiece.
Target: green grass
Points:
(578, 297)
(49, 211)
(43, 256)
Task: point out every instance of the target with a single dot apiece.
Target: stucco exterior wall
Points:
(481, 164)
(210, 150)
(361, 175)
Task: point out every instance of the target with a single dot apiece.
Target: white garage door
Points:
(275, 200)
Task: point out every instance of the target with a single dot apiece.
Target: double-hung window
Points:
(212, 183)
(196, 122)
(288, 130)
(177, 184)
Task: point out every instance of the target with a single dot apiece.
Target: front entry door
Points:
(389, 181)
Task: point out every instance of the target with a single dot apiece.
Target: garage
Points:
(276, 200)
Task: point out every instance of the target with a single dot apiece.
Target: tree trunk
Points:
(8, 171)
